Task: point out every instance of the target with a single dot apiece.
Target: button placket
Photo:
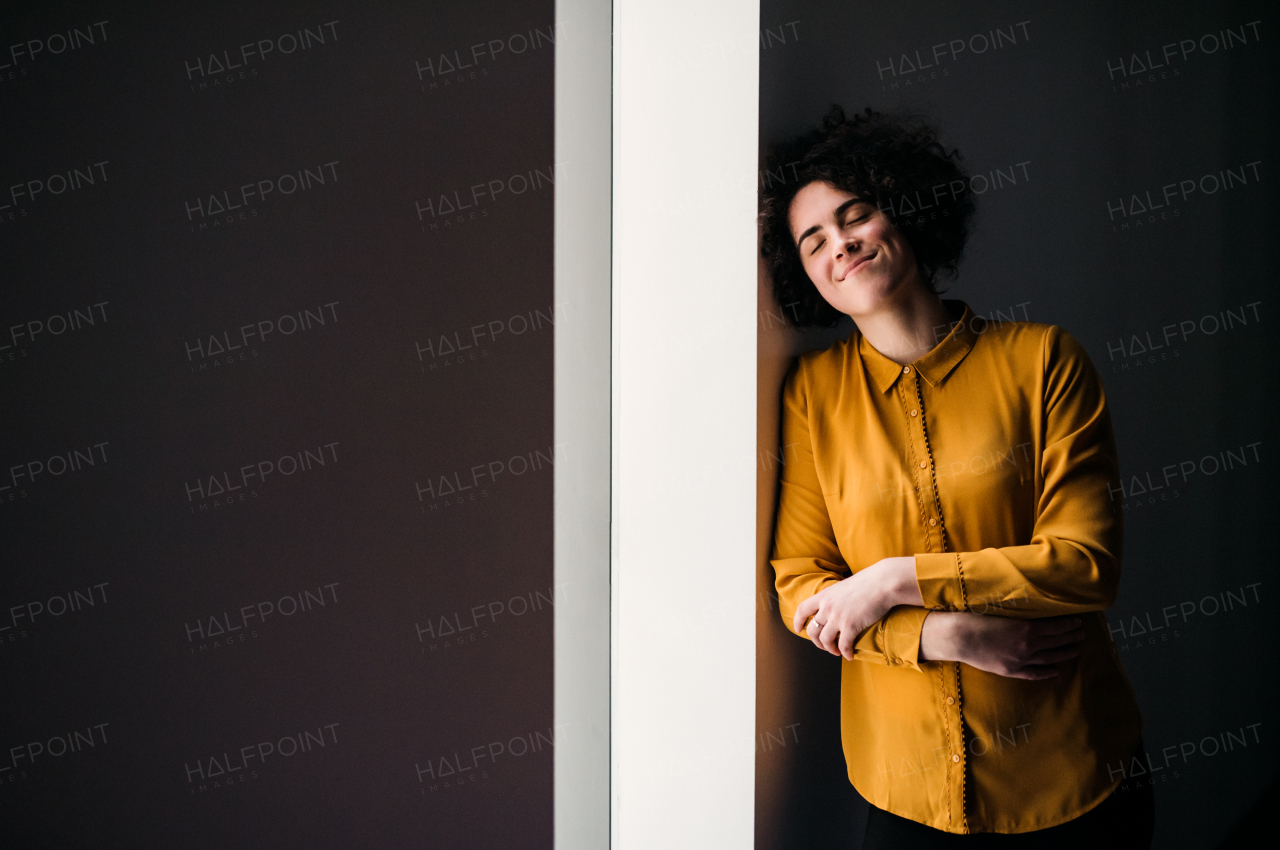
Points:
(925, 472)
(934, 517)
(917, 452)
(935, 524)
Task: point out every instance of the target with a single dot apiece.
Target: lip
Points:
(859, 264)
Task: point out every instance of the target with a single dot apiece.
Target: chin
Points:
(871, 297)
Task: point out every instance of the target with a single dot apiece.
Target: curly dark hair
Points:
(894, 161)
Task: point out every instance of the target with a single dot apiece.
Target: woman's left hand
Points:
(841, 612)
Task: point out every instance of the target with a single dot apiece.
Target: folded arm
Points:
(1072, 562)
(807, 561)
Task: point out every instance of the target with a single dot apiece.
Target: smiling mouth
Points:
(853, 268)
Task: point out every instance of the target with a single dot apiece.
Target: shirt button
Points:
(955, 758)
(906, 370)
(951, 700)
(932, 521)
(914, 412)
(924, 464)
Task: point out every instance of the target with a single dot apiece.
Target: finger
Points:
(1061, 639)
(1055, 625)
(845, 644)
(1055, 656)
(830, 633)
(1034, 672)
(804, 611)
(814, 631)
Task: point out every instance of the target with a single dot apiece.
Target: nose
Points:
(843, 246)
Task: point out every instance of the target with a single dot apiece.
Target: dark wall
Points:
(1078, 133)
(277, 451)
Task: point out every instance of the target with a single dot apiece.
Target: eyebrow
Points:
(839, 212)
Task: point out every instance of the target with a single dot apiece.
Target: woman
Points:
(945, 523)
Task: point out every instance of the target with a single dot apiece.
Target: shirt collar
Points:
(934, 366)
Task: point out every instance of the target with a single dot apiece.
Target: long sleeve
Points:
(806, 557)
(1072, 562)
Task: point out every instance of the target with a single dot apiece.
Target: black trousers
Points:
(1124, 821)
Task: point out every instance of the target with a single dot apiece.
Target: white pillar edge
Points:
(583, 154)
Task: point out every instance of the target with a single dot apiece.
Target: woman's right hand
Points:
(1017, 649)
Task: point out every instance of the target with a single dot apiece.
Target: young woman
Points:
(946, 522)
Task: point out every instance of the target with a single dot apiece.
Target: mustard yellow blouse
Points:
(988, 459)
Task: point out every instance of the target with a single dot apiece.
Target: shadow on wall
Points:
(803, 794)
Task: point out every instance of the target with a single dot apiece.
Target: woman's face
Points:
(858, 260)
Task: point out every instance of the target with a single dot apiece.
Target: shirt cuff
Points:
(900, 636)
(941, 581)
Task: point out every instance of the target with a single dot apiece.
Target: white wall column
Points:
(684, 423)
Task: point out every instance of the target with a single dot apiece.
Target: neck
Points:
(905, 330)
